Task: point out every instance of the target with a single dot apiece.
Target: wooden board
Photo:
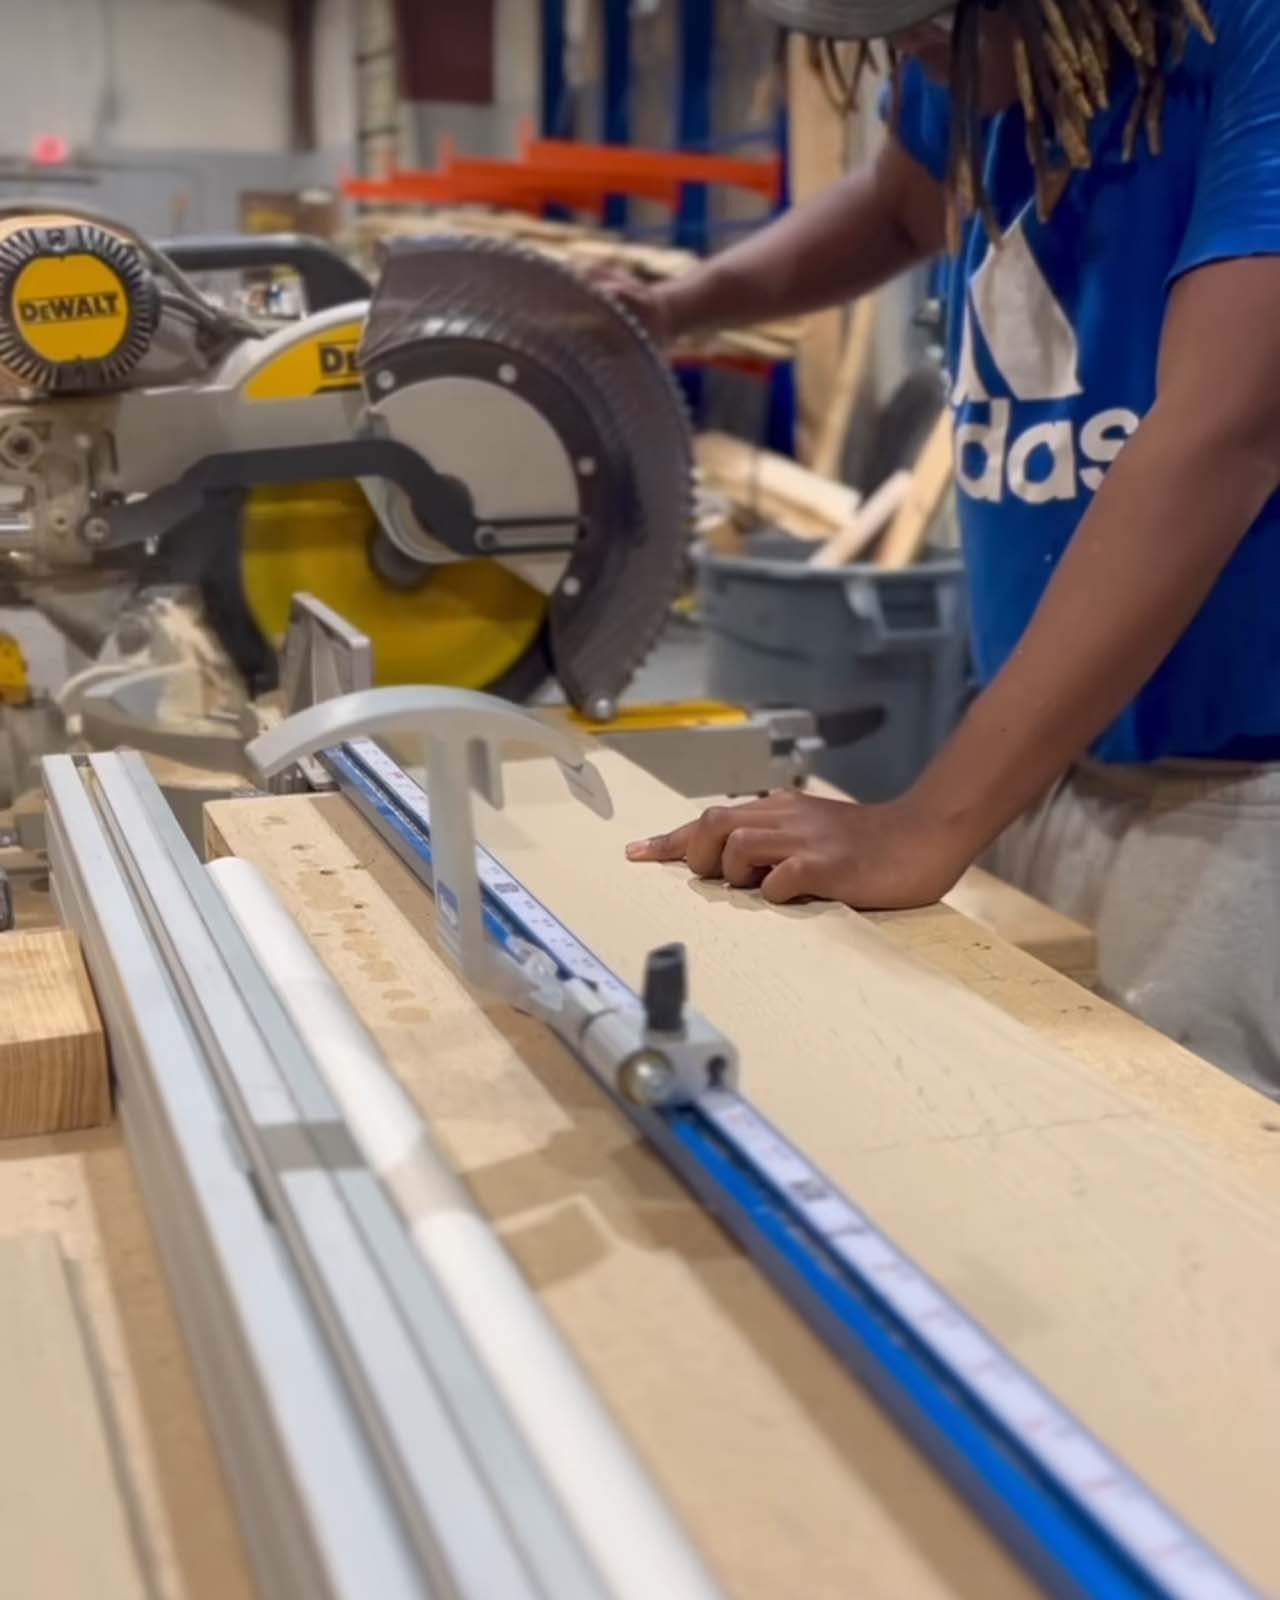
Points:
(931, 478)
(53, 1053)
(818, 155)
(833, 430)
(1059, 941)
(774, 488)
(1115, 1225)
(80, 1188)
(64, 1530)
(864, 528)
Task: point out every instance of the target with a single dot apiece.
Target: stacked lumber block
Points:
(584, 249)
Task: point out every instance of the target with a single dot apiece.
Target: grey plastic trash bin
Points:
(780, 632)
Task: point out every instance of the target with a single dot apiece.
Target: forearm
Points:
(1164, 523)
(850, 239)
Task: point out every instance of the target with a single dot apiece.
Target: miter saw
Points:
(519, 443)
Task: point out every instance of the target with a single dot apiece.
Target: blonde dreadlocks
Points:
(1064, 55)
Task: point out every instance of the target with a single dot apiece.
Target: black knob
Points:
(665, 988)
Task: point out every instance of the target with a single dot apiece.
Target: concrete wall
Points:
(145, 74)
(335, 79)
(171, 107)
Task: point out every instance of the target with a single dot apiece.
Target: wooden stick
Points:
(930, 479)
(803, 502)
(844, 392)
(850, 542)
(818, 152)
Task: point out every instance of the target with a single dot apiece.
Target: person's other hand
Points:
(792, 846)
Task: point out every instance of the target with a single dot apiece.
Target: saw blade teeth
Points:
(481, 292)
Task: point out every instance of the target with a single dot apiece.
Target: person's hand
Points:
(792, 846)
(646, 302)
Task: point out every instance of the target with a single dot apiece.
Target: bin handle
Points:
(863, 599)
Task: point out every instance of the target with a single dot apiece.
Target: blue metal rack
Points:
(615, 117)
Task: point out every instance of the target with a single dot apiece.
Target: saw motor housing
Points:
(78, 304)
(86, 313)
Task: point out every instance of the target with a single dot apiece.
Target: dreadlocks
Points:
(1064, 52)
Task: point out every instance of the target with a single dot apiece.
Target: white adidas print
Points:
(1031, 344)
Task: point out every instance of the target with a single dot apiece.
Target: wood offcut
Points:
(53, 1052)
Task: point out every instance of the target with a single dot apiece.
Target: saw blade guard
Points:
(617, 491)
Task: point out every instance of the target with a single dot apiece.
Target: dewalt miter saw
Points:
(520, 444)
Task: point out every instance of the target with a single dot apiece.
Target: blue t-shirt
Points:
(1052, 348)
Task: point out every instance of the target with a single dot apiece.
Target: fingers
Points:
(663, 846)
(702, 843)
(749, 853)
(792, 879)
(707, 841)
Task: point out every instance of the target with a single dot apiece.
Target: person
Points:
(1103, 180)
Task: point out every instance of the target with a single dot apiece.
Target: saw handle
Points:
(328, 278)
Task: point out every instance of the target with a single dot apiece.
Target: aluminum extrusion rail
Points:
(366, 1448)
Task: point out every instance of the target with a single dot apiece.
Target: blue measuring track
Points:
(1054, 1535)
(410, 841)
(1058, 1542)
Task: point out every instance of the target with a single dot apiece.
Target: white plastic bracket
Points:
(463, 734)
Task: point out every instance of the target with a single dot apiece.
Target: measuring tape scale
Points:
(1080, 1519)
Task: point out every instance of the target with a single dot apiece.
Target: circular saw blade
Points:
(491, 311)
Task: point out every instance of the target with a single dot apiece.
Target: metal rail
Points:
(366, 1448)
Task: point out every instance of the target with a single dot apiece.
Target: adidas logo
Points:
(1029, 341)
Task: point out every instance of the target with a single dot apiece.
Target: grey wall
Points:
(171, 107)
(145, 74)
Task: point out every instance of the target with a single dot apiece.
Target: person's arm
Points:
(854, 236)
(1170, 512)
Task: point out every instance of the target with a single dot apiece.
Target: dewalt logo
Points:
(338, 369)
(316, 363)
(71, 308)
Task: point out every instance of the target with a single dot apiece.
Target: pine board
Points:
(81, 1189)
(1110, 1214)
(781, 1468)
(1059, 941)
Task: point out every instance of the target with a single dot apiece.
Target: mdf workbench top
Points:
(1110, 1211)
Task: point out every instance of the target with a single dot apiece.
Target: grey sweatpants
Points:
(1177, 867)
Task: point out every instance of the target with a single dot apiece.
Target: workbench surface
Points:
(1111, 1214)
